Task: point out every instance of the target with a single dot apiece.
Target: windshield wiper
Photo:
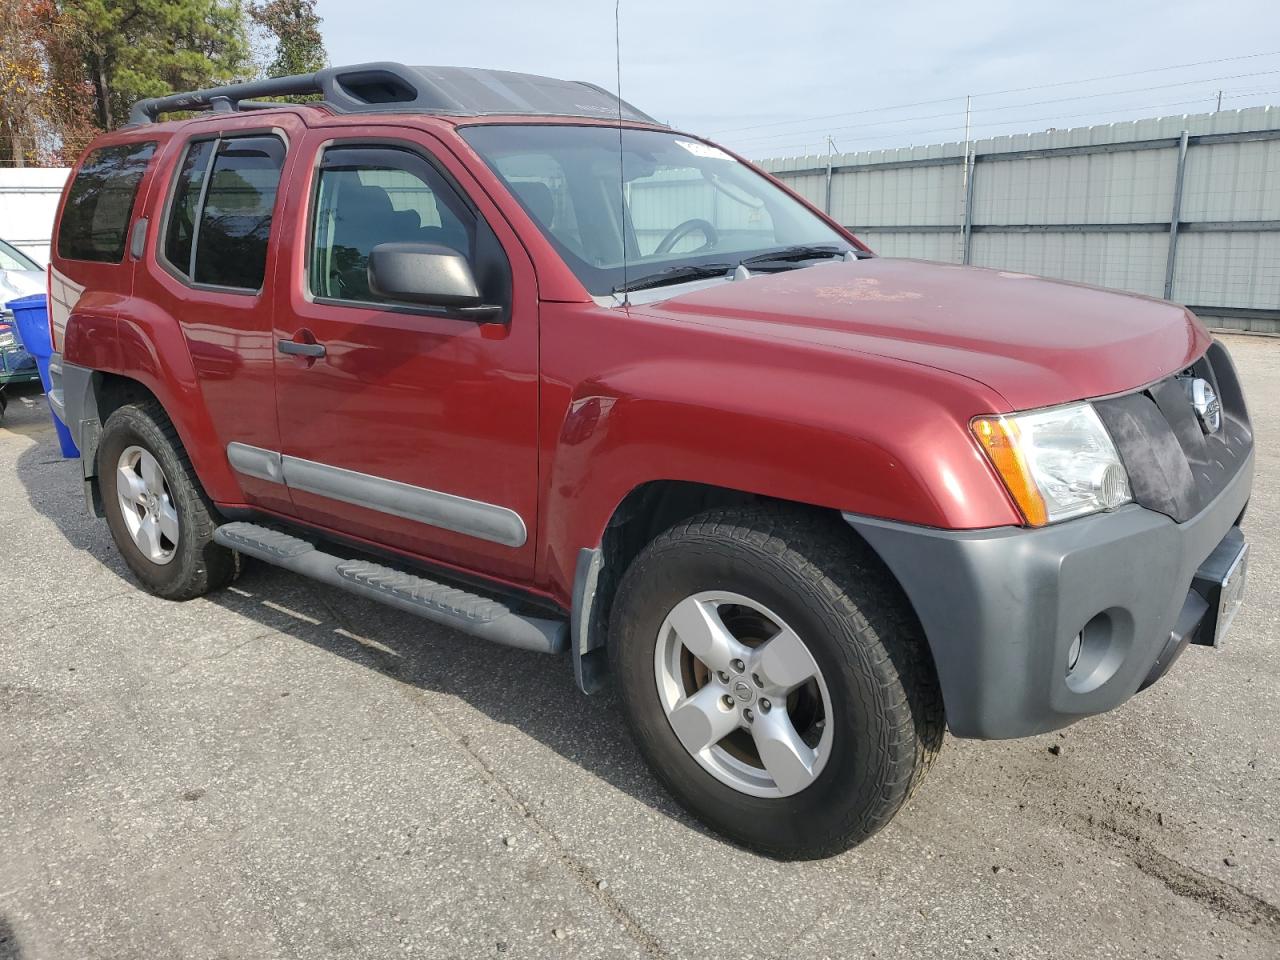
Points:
(677, 274)
(795, 254)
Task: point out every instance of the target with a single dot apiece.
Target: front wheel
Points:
(775, 678)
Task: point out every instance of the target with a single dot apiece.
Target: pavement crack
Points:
(214, 656)
(1239, 906)
(582, 873)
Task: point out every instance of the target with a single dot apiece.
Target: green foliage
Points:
(292, 29)
(44, 100)
(146, 48)
(69, 66)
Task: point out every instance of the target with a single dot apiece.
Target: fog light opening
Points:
(1096, 652)
(1073, 654)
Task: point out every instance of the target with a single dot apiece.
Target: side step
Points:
(471, 613)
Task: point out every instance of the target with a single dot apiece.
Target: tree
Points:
(148, 48)
(68, 95)
(292, 30)
(71, 67)
(21, 77)
(44, 105)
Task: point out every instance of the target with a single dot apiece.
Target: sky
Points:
(777, 79)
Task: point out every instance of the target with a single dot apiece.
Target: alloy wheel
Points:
(743, 694)
(146, 505)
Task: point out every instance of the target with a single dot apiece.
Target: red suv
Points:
(504, 352)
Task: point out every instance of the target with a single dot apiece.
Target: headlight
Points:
(1057, 463)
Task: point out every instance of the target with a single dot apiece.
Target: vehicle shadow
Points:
(10, 949)
(530, 692)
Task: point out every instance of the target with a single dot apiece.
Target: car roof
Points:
(386, 87)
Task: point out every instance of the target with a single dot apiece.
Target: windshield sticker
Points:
(703, 150)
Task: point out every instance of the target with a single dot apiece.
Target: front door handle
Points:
(296, 349)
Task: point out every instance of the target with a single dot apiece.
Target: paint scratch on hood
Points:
(863, 290)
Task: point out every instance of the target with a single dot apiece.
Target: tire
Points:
(872, 665)
(194, 565)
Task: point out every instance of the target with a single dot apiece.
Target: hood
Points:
(20, 283)
(1036, 342)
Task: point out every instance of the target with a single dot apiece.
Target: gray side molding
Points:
(486, 521)
(474, 518)
(255, 462)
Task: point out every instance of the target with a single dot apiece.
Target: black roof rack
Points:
(395, 88)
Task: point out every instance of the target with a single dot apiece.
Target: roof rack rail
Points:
(383, 87)
(226, 99)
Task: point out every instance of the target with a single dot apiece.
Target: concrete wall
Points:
(28, 202)
(1093, 204)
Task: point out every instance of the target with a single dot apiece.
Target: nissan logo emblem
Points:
(1204, 400)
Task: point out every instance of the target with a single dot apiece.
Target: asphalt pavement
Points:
(283, 771)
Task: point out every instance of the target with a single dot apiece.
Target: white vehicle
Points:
(20, 276)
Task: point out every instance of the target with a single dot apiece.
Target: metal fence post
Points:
(966, 230)
(826, 201)
(1175, 218)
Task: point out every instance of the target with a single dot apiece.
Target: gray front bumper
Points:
(1001, 607)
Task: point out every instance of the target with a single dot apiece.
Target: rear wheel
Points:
(159, 517)
(775, 679)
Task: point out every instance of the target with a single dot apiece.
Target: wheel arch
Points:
(644, 512)
(91, 397)
(148, 359)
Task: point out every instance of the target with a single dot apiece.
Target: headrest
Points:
(537, 198)
(365, 201)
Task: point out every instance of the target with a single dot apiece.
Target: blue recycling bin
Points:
(31, 318)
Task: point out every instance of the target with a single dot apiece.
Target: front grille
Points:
(1174, 466)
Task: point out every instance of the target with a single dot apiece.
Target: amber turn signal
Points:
(998, 438)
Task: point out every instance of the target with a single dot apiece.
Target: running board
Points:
(448, 606)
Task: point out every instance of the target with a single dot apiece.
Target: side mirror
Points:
(430, 275)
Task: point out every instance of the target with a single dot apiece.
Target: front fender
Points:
(880, 438)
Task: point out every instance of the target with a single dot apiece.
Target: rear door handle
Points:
(296, 349)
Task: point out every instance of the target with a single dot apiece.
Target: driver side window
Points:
(371, 195)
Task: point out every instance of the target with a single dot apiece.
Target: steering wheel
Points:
(681, 230)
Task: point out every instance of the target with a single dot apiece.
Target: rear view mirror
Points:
(427, 274)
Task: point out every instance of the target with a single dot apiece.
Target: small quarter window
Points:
(100, 202)
(186, 205)
(220, 217)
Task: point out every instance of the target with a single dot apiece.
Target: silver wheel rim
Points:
(147, 505)
(743, 694)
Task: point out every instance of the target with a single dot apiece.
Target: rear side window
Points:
(220, 217)
(100, 203)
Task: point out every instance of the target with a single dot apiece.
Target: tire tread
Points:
(850, 581)
(213, 566)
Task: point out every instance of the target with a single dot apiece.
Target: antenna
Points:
(622, 174)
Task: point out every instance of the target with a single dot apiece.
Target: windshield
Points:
(688, 204)
(11, 258)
